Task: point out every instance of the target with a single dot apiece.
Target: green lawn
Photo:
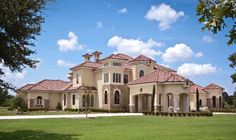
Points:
(121, 128)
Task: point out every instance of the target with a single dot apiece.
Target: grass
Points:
(222, 127)
(5, 112)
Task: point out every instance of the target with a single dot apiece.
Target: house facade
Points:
(119, 81)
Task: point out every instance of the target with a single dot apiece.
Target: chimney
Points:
(87, 57)
(97, 56)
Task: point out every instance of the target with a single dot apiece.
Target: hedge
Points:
(223, 110)
(180, 114)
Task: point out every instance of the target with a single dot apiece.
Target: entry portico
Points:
(171, 92)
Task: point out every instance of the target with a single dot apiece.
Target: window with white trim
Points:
(117, 97)
(73, 99)
(106, 77)
(126, 78)
(116, 64)
(116, 78)
(77, 78)
(39, 100)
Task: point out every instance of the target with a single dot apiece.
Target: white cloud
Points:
(99, 24)
(207, 39)
(199, 54)
(123, 11)
(69, 44)
(163, 14)
(176, 53)
(192, 69)
(134, 47)
(12, 76)
(63, 63)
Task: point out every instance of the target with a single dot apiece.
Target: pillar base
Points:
(131, 108)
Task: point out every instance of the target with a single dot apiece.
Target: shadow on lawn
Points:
(35, 135)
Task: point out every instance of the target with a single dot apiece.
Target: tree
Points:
(232, 58)
(4, 95)
(197, 100)
(153, 98)
(216, 15)
(19, 104)
(20, 23)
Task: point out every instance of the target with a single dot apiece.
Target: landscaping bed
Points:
(180, 114)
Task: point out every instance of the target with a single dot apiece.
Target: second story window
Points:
(141, 73)
(116, 78)
(106, 64)
(106, 77)
(126, 78)
(77, 78)
(116, 64)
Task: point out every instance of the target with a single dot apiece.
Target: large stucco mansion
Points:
(120, 81)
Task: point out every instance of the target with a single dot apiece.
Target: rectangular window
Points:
(116, 64)
(106, 77)
(77, 78)
(116, 78)
(64, 99)
(126, 78)
(106, 64)
(73, 99)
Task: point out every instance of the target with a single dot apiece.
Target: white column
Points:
(176, 103)
(140, 103)
(131, 103)
(187, 103)
(156, 102)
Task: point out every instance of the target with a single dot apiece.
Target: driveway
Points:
(68, 116)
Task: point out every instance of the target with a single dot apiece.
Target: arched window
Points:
(141, 73)
(92, 101)
(88, 100)
(83, 100)
(73, 99)
(214, 101)
(200, 102)
(105, 98)
(220, 102)
(39, 100)
(117, 97)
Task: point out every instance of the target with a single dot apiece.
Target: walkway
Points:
(68, 116)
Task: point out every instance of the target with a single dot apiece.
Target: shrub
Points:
(19, 104)
(37, 109)
(59, 106)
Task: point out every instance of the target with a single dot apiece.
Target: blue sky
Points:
(167, 31)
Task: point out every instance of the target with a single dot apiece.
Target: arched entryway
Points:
(142, 102)
(183, 102)
(214, 101)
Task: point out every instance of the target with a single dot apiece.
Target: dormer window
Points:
(116, 64)
(106, 64)
(77, 78)
(141, 73)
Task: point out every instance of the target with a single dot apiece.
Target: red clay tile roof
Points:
(129, 58)
(87, 54)
(88, 64)
(80, 88)
(142, 58)
(159, 76)
(113, 56)
(157, 66)
(97, 52)
(213, 86)
(47, 85)
(26, 87)
(194, 87)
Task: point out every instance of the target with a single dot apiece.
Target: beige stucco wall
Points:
(98, 85)
(54, 98)
(202, 96)
(86, 77)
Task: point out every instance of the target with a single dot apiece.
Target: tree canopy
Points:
(20, 23)
(215, 16)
